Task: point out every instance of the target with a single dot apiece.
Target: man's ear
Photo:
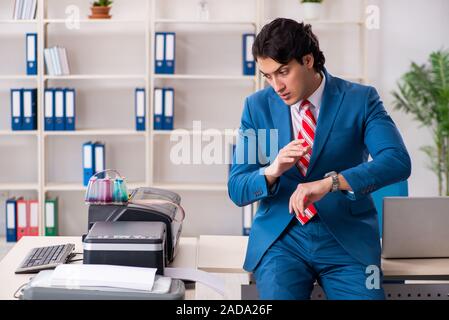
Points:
(308, 61)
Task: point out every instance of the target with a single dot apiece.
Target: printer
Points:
(127, 243)
(142, 232)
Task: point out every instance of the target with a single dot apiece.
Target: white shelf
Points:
(64, 187)
(12, 21)
(18, 133)
(96, 77)
(108, 132)
(80, 187)
(181, 131)
(192, 186)
(327, 22)
(18, 186)
(95, 21)
(342, 76)
(333, 22)
(17, 77)
(203, 77)
(206, 22)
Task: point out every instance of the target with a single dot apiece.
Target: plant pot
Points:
(312, 11)
(100, 12)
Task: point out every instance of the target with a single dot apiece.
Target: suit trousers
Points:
(307, 253)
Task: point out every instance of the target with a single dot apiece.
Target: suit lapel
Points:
(282, 121)
(331, 101)
(280, 113)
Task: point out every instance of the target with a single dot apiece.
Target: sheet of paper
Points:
(79, 275)
(232, 285)
(206, 278)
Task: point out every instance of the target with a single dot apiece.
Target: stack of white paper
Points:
(91, 275)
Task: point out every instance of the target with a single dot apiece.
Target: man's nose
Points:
(278, 86)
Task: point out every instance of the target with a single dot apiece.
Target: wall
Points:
(409, 31)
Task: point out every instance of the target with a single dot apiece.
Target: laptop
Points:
(415, 227)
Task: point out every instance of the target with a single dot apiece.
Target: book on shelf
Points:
(56, 61)
(22, 218)
(94, 159)
(59, 109)
(23, 109)
(248, 215)
(11, 219)
(164, 55)
(249, 65)
(164, 104)
(140, 108)
(51, 217)
(247, 219)
(31, 53)
(24, 10)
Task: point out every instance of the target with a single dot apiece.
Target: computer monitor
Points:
(415, 227)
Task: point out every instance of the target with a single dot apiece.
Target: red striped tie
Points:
(306, 132)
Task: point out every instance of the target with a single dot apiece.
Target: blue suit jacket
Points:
(352, 124)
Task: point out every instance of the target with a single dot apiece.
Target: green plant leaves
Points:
(423, 91)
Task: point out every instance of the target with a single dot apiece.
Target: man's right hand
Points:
(287, 157)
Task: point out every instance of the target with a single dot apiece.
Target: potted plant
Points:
(424, 92)
(100, 9)
(312, 9)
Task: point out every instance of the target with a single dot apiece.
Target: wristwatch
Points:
(335, 181)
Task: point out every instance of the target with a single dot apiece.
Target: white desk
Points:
(220, 255)
(185, 258)
(227, 253)
(416, 269)
(223, 256)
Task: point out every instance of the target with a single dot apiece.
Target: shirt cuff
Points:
(271, 191)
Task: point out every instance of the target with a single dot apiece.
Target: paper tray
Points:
(33, 292)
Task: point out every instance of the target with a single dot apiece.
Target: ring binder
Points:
(31, 53)
(139, 100)
(16, 109)
(249, 66)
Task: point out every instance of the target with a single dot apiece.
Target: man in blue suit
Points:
(316, 219)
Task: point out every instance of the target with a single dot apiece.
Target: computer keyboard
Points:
(43, 258)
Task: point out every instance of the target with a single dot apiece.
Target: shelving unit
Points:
(110, 132)
(210, 132)
(203, 77)
(94, 21)
(96, 77)
(18, 133)
(212, 22)
(213, 92)
(17, 77)
(11, 21)
(19, 186)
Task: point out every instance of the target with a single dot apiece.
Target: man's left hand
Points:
(308, 193)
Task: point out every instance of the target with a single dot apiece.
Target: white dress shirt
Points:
(297, 113)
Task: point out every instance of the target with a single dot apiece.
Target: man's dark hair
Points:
(285, 39)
